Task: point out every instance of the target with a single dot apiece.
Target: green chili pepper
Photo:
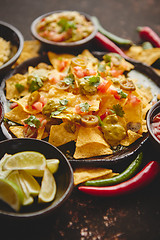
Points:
(125, 175)
(118, 40)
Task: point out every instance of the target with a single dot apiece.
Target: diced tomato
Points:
(37, 106)
(156, 118)
(113, 91)
(116, 73)
(13, 105)
(107, 112)
(78, 72)
(103, 86)
(62, 65)
(133, 99)
(78, 110)
(27, 106)
(89, 72)
(43, 100)
(52, 79)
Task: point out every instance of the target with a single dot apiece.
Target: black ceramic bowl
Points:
(155, 109)
(63, 46)
(12, 34)
(1, 111)
(63, 177)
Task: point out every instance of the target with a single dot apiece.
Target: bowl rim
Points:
(150, 115)
(2, 111)
(21, 43)
(63, 44)
(48, 210)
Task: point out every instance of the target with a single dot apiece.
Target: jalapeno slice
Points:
(34, 97)
(89, 121)
(134, 126)
(127, 84)
(78, 62)
(61, 85)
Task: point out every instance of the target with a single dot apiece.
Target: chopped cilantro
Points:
(19, 87)
(58, 111)
(84, 107)
(121, 93)
(63, 102)
(32, 121)
(65, 24)
(101, 67)
(35, 84)
(69, 80)
(118, 110)
(93, 80)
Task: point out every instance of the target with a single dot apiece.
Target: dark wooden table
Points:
(135, 216)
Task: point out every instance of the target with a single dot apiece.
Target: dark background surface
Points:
(135, 216)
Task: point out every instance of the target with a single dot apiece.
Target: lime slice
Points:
(52, 165)
(30, 182)
(5, 173)
(25, 160)
(11, 194)
(48, 187)
(15, 177)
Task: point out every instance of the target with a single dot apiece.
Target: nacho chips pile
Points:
(147, 56)
(80, 99)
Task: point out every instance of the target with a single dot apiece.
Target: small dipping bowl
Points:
(155, 109)
(63, 178)
(63, 46)
(14, 36)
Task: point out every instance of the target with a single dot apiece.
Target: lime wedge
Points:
(52, 165)
(11, 194)
(25, 160)
(5, 173)
(48, 187)
(30, 182)
(15, 177)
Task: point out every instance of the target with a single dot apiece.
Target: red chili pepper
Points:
(147, 34)
(109, 45)
(144, 177)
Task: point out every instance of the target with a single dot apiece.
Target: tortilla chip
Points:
(91, 150)
(130, 138)
(133, 113)
(17, 115)
(85, 174)
(90, 142)
(55, 58)
(59, 135)
(30, 49)
(148, 56)
(23, 102)
(11, 90)
(18, 132)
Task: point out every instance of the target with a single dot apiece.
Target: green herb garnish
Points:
(58, 111)
(65, 24)
(121, 93)
(35, 84)
(63, 102)
(84, 107)
(32, 121)
(20, 88)
(118, 110)
(93, 80)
